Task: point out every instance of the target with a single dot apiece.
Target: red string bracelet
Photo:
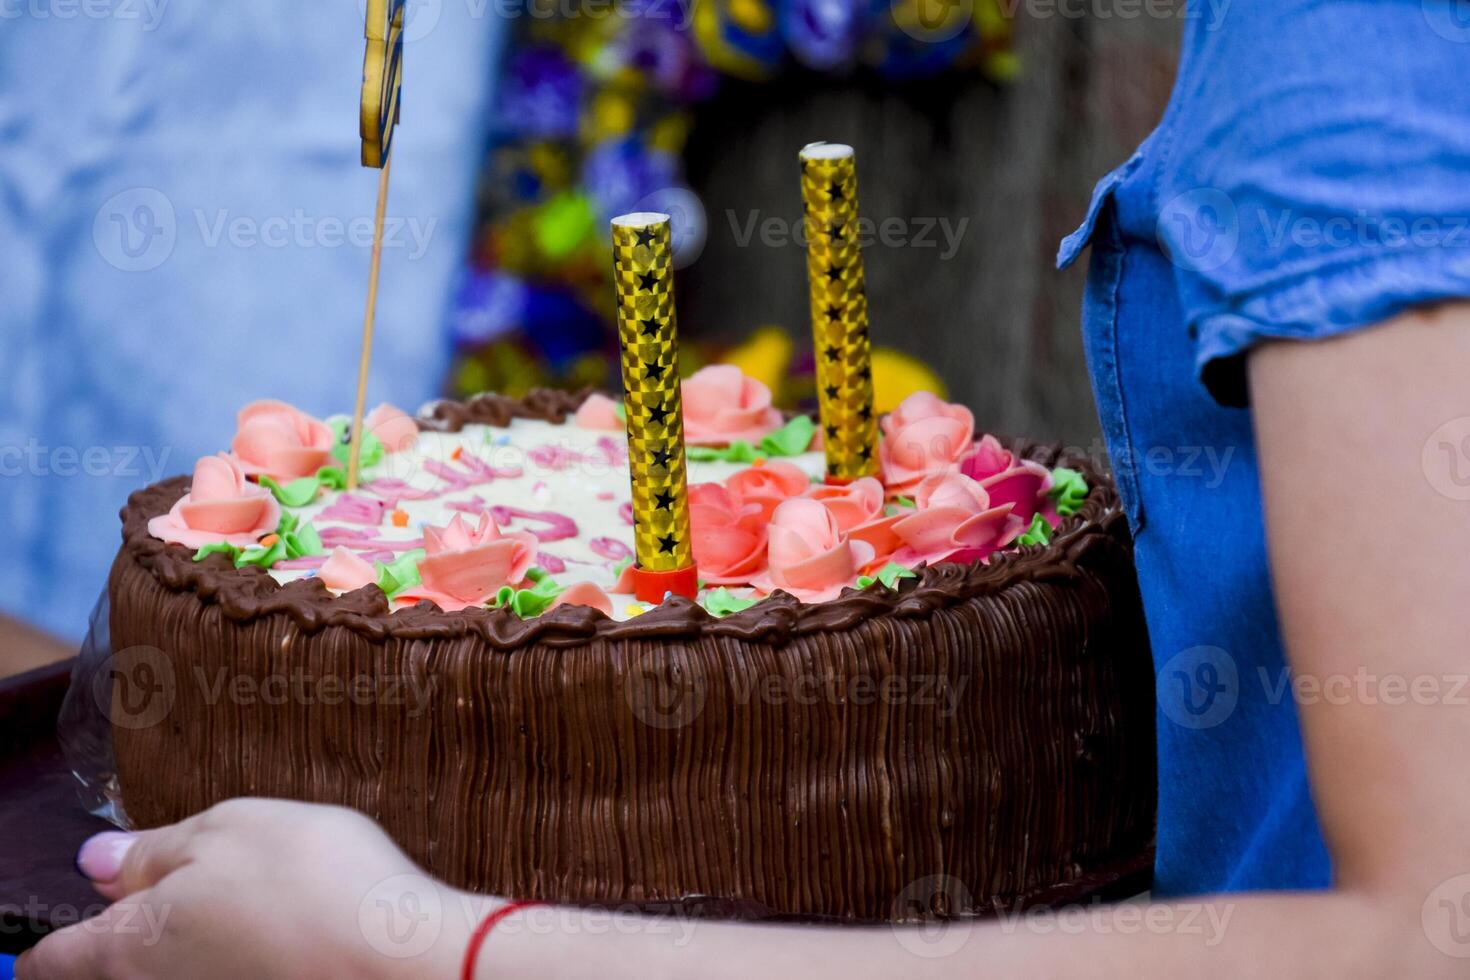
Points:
(482, 932)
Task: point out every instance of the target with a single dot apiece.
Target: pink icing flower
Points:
(723, 404)
(221, 505)
(858, 510)
(808, 555)
(584, 594)
(346, 571)
(599, 412)
(924, 436)
(728, 538)
(767, 484)
(466, 567)
(276, 440)
(956, 520)
(1025, 485)
(393, 427)
(986, 458)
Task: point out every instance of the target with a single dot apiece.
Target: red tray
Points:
(42, 822)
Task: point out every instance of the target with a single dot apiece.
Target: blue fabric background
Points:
(136, 318)
(1308, 178)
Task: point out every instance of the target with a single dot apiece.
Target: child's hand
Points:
(260, 888)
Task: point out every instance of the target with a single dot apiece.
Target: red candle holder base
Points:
(649, 586)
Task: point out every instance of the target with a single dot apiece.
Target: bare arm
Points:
(1371, 562)
(1371, 559)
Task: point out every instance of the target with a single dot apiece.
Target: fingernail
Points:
(101, 857)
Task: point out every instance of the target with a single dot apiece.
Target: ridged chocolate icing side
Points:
(978, 738)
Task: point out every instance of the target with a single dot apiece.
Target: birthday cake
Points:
(922, 692)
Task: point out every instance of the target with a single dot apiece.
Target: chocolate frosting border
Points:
(249, 593)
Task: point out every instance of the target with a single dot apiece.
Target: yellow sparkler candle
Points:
(643, 273)
(839, 309)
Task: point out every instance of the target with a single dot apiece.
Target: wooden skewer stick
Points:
(354, 456)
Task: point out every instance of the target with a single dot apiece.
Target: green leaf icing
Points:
(302, 542)
(1038, 533)
(333, 477)
(297, 493)
(722, 602)
(534, 601)
(372, 447)
(217, 548)
(738, 451)
(888, 575)
(402, 573)
(792, 439)
(1068, 489)
(262, 557)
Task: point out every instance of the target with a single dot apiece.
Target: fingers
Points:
(120, 864)
(92, 949)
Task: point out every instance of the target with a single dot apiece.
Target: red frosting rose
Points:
(728, 538)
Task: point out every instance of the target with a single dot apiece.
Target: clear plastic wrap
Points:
(84, 728)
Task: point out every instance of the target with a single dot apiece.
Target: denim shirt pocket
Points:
(1100, 331)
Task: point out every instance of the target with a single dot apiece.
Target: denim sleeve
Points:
(1318, 177)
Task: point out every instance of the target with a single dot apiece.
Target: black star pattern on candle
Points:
(834, 273)
(831, 432)
(655, 371)
(667, 543)
(834, 191)
(833, 391)
(836, 232)
(650, 327)
(834, 313)
(865, 453)
(866, 413)
(832, 352)
(645, 236)
(647, 280)
(661, 457)
(866, 373)
(664, 500)
(657, 414)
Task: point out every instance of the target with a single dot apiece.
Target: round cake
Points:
(957, 720)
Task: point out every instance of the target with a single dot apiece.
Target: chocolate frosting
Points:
(574, 758)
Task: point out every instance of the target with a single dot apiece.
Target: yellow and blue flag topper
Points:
(382, 79)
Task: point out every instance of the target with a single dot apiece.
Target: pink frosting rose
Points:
(723, 404)
(466, 566)
(767, 484)
(986, 458)
(221, 505)
(957, 521)
(808, 555)
(584, 594)
(346, 571)
(599, 412)
(728, 538)
(393, 427)
(858, 509)
(276, 440)
(925, 435)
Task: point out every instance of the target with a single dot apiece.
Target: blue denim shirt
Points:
(1311, 176)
